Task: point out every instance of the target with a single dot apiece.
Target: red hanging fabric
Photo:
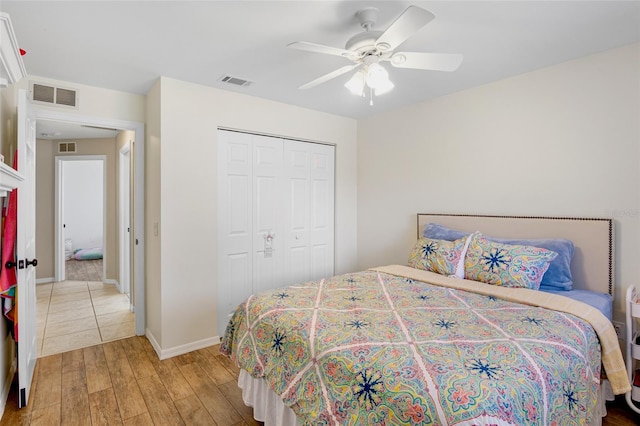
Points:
(8, 279)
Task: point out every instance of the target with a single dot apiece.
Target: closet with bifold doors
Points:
(275, 215)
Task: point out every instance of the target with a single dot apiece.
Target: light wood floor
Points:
(123, 382)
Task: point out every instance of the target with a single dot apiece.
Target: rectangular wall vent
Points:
(66, 147)
(234, 80)
(54, 95)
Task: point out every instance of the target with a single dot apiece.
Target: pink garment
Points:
(8, 275)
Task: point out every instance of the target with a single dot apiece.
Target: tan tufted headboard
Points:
(592, 264)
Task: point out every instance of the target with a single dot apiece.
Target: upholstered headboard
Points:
(592, 264)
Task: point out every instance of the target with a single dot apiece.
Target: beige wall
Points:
(152, 179)
(190, 115)
(560, 141)
(46, 151)
(95, 101)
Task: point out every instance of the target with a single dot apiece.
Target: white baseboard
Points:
(45, 280)
(182, 349)
(7, 386)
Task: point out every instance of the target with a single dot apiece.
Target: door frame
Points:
(124, 215)
(59, 211)
(138, 200)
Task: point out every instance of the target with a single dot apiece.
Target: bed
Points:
(406, 345)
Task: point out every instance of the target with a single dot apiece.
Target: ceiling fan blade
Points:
(319, 48)
(328, 77)
(410, 21)
(427, 61)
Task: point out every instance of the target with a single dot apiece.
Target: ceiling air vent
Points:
(66, 147)
(54, 95)
(234, 81)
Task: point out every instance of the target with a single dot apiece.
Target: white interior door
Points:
(296, 212)
(26, 249)
(235, 273)
(275, 215)
(308, 211)
(125, 217)
(321, 213)
(267, 218)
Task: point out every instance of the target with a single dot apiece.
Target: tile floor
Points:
(77, 314)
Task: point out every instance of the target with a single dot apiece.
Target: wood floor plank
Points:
(216, 404)
(213, 367)
(193, 412)
(138, 359)
(233, 393)
(125, 386)
(184, 359)
(172, 378)
(72, 360)
(140, 420)
(75, 408)
(228, 364)
(46, 416)
(104, 408)
(97, 371)
(156, 396)
(49, 389)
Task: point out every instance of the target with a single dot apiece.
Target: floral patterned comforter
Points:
(377, 349)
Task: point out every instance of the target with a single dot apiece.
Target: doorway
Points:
(80, 217)
(137, 224)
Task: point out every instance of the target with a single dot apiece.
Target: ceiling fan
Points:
(369, 48)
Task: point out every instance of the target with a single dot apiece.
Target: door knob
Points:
(10, 265)
(33, 262)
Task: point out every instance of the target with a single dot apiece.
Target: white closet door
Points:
(322, 188)
(267, 219)
(296, 212)
(309, 211)
(235, 222)
(275, 215)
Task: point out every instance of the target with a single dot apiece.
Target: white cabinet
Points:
(275, 215)
(633, 347)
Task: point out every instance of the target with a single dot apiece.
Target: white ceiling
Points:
(126, 45)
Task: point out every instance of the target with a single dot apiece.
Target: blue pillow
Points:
(557, 277)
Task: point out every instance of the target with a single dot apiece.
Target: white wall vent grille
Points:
(54, 95)
(66, 147)
(234, 81)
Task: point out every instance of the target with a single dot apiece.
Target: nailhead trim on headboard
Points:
(610, 286)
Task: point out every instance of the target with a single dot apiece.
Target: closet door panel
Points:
(296, 212)
(321, 239)
(266, 210)
(235, 194)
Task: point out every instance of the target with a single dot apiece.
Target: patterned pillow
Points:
(505, 264)
(438, 256)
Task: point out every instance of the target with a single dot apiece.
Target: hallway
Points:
(82, 311)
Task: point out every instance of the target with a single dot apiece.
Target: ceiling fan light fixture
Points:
(384, 87)
(377, 76)
(356, 83)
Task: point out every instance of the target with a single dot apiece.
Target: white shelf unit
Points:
(633, 349)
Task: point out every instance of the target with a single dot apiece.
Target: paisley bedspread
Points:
(376, 349)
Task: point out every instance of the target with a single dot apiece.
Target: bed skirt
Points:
(267, 405)
(269, 408)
